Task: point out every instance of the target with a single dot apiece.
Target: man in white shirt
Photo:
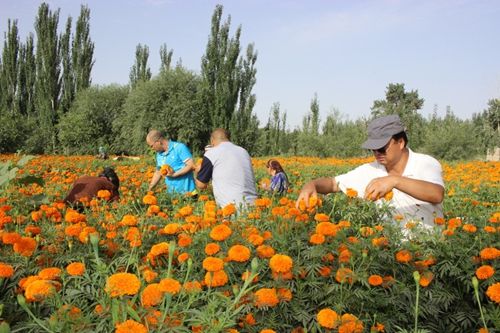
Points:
(415, 179)
(230, 168)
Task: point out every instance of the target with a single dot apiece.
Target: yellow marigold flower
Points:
(213, 264)
(266, 297)
(6, 270)
(220, 232)
(51, 273)
(159, 249)
(120, 284)
(130, 326)
(328, 318)
(39, 290)
(280, 263)
(375, 280)
(171, 286)
(489, 253)
(485, 272)
(186, 211)
(151, 295)
(129, 220)
(216, 279)
(403, 256)
(239, 253)
(211, 249)
(493, 292)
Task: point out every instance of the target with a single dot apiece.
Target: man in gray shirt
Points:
(230, 168)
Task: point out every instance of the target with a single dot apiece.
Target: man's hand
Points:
(308, 191)
(321, 185)
(379, 187)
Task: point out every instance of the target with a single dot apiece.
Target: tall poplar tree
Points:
(165, 58)
(68, 80)
(140, 71)
(27, 78)
(82, 51)
(48, 80)
(9, 76)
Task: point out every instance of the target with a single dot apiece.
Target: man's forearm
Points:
(420, 189)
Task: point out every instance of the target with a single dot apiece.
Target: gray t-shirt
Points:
(230, 168)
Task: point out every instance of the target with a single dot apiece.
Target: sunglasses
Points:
(382, 150)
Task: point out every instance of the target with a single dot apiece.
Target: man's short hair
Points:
(220, 134)
(154, 135)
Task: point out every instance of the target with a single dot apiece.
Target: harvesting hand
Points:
(379, 187)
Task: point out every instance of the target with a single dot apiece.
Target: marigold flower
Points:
(317, 239)
(344, 275)
(345, 256)
(328, 318)
(426, 278)
(320, 217)
(171, 286)
(220, 232)
(104, 194)
(375, 280)
(266, 297)
(6, 270)
(171, 228)
(216, 279)
(489, 253)
(485, 272)
(75, 269)
(149, 199)
(265, 251)
(151, 295)
(183, 257)
(403, 256)
(120, 284)
(51, 273)
(326, 228)
(128, 220)
(228, 210)
(211, 249)
(280, 263)
(378, 327)
(39, 290)
(166, 169)
(351, 193)
(192, 286)
(25, 246)
(213, 264)
(493, 292)
(32, 230)
(469, 228)
(130, 326)
(239, 253)
(10, 237)
(267, 330)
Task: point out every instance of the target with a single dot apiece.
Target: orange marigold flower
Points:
(183, 257)
(439, 220)
(166, 169)
(265, 251)
(239, 253)
(216, 279)
(6, 270)
(344, 275)
(281, 263)
(159, 249)
(149, 275)
(39, 290)
(485, 272)
(149, 199)
(255, 239)
(266, 297)
(183, 240)
(120, 284)
(213, 264)
(320, 217)
(151, 295)
(75, 268)
(426, 278)
(171, 286)
(130, 326)
(25, 246)
(469, 228)
(220, 232)
(211, 249)
(326, 229)
(171, 228)
(493, 292)
(32, 230)
(380, 241)
(267, 330)
(490, 229)
(317, 239)
(328, 318)
(351, 193)
(228, 210)
(284, 294)
(10, 237)
(345, 256)
(104, 194)
(489, 253)
(403, 256)
(186, 211)
(375, 280)
(51, 273)
(192, 286)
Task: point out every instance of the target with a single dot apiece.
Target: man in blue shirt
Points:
(179, 179)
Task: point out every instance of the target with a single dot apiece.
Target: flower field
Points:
(152, 262)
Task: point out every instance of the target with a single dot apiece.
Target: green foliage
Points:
(170, 103)
(140, 71)
(89, 122)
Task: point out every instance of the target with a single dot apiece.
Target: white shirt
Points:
(233, 180)
(418, 166)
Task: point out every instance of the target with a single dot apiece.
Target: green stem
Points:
(476, 293)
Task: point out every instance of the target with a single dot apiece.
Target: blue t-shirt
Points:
(176, 156)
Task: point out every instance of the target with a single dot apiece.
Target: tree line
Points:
(48, 103)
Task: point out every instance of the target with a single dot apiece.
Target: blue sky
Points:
(346, 52)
